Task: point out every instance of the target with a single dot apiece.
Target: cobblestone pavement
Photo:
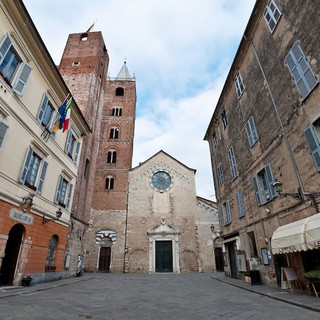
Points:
(158, 296)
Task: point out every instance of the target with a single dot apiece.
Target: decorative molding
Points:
(106, 233)
(39, 149)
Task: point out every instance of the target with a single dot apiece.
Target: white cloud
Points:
(180, 52)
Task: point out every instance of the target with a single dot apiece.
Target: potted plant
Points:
(26, 280)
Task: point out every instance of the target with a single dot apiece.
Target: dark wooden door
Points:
(11, 255)
(164, 256)
(219, 259)
(104, 260)
(232, 259)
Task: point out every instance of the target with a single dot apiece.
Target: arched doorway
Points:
(11, 254)
(105, 254)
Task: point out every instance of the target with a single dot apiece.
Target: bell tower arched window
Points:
(112, 156)
(117, 111)
(114, 133)
(119, 91)
(109, 183)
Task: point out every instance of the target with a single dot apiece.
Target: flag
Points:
(59, 119)
(67, 117)
(90, 28)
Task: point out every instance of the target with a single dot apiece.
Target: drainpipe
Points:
(301, 188)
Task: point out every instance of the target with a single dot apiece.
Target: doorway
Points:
(232, 259)
(11, 254)
(219, 259)
(164, 256)
(104, 259)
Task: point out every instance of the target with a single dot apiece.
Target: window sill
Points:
(30, 186)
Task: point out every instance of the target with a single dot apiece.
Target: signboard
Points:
(288, 278)
(20, 216)
(241, 261)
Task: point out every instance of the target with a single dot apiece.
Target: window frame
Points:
(225, 213)
(240, 204)
(215, 139)
(44, 106)
(220, 173)
(251, 132)
(224, 118)
(41, 171)
(112, 156)
(301, 71)
(3, 132)
(239, 84)
(114, 133)
(117, 111)
(233, 164)
(264, 180)
(72, 147)
(312, 135)
(109, 183)
(272, 14)
(67, 193)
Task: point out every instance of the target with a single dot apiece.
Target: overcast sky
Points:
(180, 52)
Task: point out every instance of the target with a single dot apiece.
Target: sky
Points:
(180, 52)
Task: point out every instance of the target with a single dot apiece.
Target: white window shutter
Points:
(3, 132)
(4, 47)
(22, 79)
(42, 176)
(314, 145)
(42, 108)
(25, 166)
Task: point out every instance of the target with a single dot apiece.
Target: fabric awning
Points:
(300, 235)
(313, 232)
(290, 237)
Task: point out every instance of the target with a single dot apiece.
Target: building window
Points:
(215, 140)
(10, 64)
(233, 164)
(3, 132)
(239, 84)
(114, 133)
(112, 156)
(119, 91)
(63, 192)
(263, 185)
(33, 171)
(109, 183)
(72, 146)
(272, 15)
(225, 213)
(240, 204)
(252, 244)
(312, 134)
(117, 111)
(51, 254)
(45, 112)
(224, 118)
(251, 132)
(301, 71)
(86, 169)
(220, 173)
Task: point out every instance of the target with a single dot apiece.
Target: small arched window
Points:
(109, 183)
(117, 111)
(114, 133)
(119, 91)
(51, 253)
(112, 156)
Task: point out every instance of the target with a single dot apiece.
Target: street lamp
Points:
(58, 215)
(277, 186)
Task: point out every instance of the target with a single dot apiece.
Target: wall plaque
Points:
(20, 216)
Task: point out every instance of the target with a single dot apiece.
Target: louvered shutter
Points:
(25, 166)
(228, 212)
(257, 190)
(57, 196)
(68, 144)
(76, 154)
(4, 47)
(314, 145)
(69, 196)
(3, 132)
(240, 204)
(270, 179)
(222, 215)
(22, 79)
(42, 176)
(42, 108)
(301, 71)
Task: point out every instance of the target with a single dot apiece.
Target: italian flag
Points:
(68, 112)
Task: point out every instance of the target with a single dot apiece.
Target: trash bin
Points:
(255, 277)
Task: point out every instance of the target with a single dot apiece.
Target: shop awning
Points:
(300, 235)
(313, 232)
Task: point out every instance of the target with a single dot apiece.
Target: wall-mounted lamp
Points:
(277, 185)
(58, 215)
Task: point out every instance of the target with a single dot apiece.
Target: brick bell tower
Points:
(105, 241)
(84, 67)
